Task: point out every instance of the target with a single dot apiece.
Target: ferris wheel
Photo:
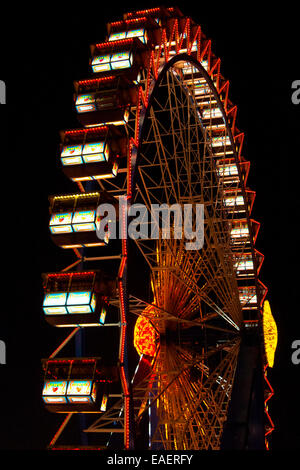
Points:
(158, 129)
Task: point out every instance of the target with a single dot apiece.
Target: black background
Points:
(46, 47)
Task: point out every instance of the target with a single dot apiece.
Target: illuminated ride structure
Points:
(184, 337)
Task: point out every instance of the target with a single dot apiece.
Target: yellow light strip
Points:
(70, 196)
(270, 333)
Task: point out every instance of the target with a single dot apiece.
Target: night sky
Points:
(42, 52)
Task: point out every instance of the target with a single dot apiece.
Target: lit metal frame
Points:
(178, 39)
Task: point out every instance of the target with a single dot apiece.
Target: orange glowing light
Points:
(145, 336)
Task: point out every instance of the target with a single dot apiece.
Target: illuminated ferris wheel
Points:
(158, 128)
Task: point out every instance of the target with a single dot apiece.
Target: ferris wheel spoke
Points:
(186, 289)
(215, 394)
(188, 281)
(198, 426)
(175, 369)
(158, 314)
(205, 263)
(177, 155)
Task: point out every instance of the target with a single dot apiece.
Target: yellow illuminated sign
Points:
(270, 333)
